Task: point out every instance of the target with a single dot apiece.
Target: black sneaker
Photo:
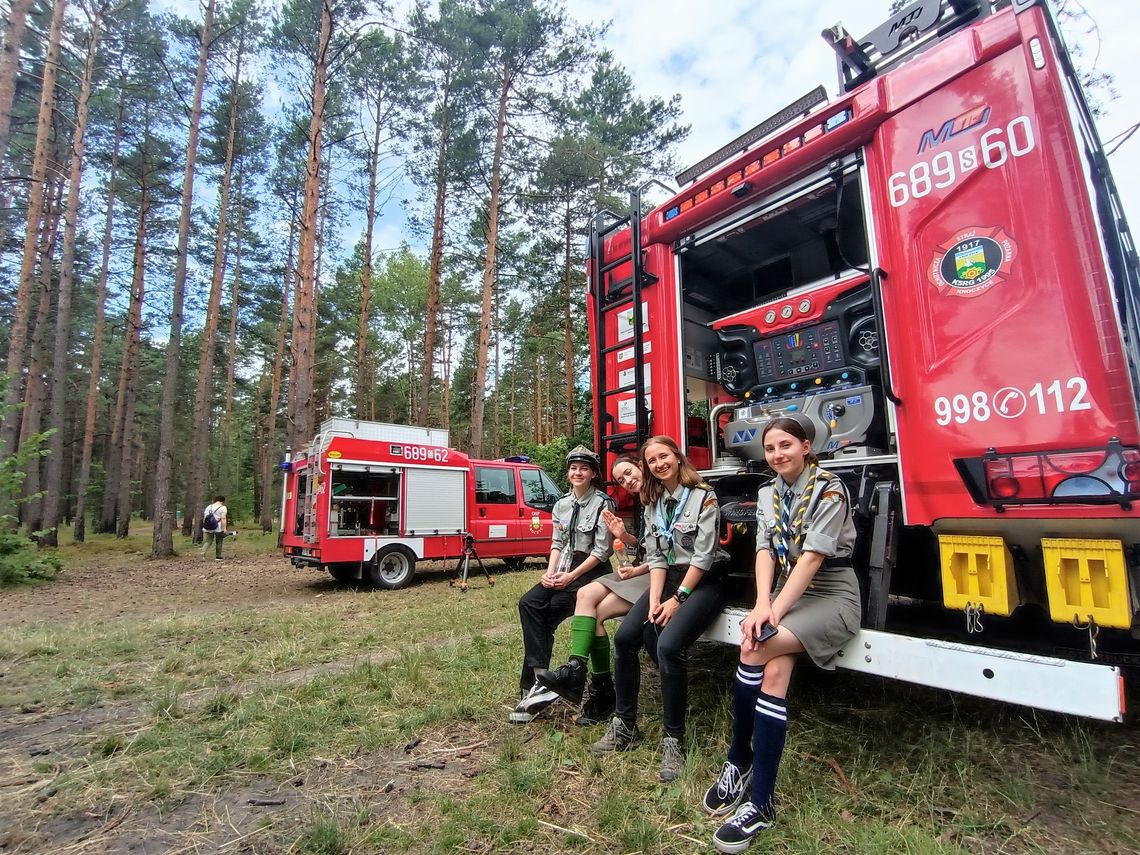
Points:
(728, 789)
(534, 702)
(736, 834)
(600, 702)
(569, 681)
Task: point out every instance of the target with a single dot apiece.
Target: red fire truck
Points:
(367, 500)
(934, 268)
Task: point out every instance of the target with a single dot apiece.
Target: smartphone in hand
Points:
(767, 630)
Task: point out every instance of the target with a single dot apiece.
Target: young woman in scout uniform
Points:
(681, 521)
(804, 540)
(607, 597)
(579, 553)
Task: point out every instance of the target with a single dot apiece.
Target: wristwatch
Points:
(680, 596)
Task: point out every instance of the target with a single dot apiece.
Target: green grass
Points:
(869, 766)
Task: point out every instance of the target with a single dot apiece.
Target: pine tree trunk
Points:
(514, 389)
(131, 360)
(114, 455)
(567, 320)
(538, 401)
(447, 351)
(9, 71)
(162, 540)
(228, 487)
(498, 421)
(322, 386)
(54, 480)
(275, 389)
(18, 337)
(301, 403)
(36, 392)
(478, 397)
(96, 360)
(365, 382)
(435, 259)
(203, 393)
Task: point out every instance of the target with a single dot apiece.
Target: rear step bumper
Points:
(1042, 682)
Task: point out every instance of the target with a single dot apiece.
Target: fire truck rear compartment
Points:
(788, 294)
(804, 241)
(810, 247)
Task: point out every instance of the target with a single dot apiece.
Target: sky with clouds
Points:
(735, 62)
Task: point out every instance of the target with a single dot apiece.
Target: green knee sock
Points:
(582, 636)
(600, 654)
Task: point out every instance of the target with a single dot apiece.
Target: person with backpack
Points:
(580, 552)
(214, 520)
(804, 540)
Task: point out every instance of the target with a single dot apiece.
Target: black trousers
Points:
(668, 645)
(541, 610)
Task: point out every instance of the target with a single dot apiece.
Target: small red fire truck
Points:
(367, 500)
(935, 269)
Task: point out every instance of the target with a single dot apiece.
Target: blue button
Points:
(843, 376)
(793, 407)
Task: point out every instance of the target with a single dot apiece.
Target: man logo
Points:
(973, 118)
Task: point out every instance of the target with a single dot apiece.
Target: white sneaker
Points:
(537, 699)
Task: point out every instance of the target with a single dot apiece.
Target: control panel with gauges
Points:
(790, 350)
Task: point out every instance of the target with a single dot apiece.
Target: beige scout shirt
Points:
(590, 534)
(828, 525)
(695, 534)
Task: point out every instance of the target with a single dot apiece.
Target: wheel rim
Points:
(394, 567)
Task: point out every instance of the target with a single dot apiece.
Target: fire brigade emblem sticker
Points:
(973, 261)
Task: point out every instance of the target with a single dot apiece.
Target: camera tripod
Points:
(464, 566)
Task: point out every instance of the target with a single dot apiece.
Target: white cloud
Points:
(736, 62)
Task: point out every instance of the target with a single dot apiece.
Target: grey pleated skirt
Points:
(629, 590)
(827, 615)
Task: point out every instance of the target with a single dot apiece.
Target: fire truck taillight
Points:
(1100, 476)
(1004, 487)
(1130, 469)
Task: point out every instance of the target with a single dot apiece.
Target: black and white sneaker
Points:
(568, 681)
(736, 834)
(728, 789)
(534, 702)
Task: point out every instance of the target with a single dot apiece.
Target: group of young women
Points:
(807, 601)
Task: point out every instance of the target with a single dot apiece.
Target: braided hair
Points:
(796, 429)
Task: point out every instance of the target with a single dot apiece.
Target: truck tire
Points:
(392, 567)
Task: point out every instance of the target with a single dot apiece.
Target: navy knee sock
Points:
(769, 730)
(744, 691)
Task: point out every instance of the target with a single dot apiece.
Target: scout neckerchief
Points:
(567, 557)
(789, 520)
(666, 526)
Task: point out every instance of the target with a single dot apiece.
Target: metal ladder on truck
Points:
(612, 297)
(313, 456)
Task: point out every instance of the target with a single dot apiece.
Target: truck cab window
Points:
(494, 486)
(539, 491)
